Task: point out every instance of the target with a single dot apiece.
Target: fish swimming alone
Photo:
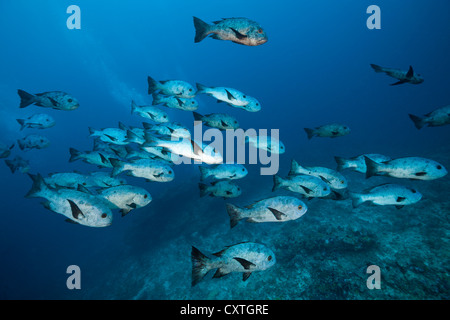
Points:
(238, 30)
(79, 207)
(333, 130)
(220, 121)
(402, 76)
(33, 141)
(178, 88)
(245, 257)
(220, 189)
(37, 121)
(56, 100)
(333, 178)
(275, 209)
(415, 168)
(223, 171)
(436, 118)
(358, 163)
(387, 194)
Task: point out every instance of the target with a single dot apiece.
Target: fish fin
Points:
(420, 174)
(71, 221)
(134, 106)
(357, 199)
(324, 179)
(111, 137)
(199, 265)
(83, 189)
(341, 163)
(38, 186)
(277, 182)
(22, 123)
(294, 168)
(10, 165)
(26, 98)
(122, 126)
(246, 275)
(401, 199)
(197, 116)
(220, 273)
(152, 85)
(74, 154)
(307, 190)
(76, 212)
(245, 263)
(310, 133)
(12, 146)
(156, 99)
(235, 214)
(21, 144)
(202, 29)
(196, 148)
(239, 35)
(372, 167)
(377, 68)
(117, 166)
(399, 207)
(131, 136)
(399, 82)
(410, 73)
(53, 101)
(201, 88)
(230, 96)
(278, 214)
(418, 122)
(203, 189)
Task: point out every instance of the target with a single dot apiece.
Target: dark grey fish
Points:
(56, 100)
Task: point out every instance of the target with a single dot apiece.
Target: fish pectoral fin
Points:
(246, 275)
(410, 73)
(132, 205)
(399, 207)
(420, 174)
(278, 214)
(111, 137)
(220, 273)
(239, 35)
(180, 102)
(229, 95)
(76, 212)
(245, 263)
(197, 150)
(53, 101)
(71, 221)
(401, 199)
(307, 190)
(103, 159)
(399, 82)
(324, 179)
(158, 175)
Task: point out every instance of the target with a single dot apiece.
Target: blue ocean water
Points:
(315, 69)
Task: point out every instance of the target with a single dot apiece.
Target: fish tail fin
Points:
(117, 166)
(357, 199)
(310, 133)
(202, 29)
(235, 214)
(197, 116)
(38, 186)
(201, 88)
(151, 140)
(132, 137)
(373, 168)
(92, 131)
(377, 68)
(295, 167)
(204, 189)
(26, 98)
(22, 123)
(74, 154)
(418, 122)
(341, 163)
(157, 99)
(21, 144)
(277, 183)
(204, 172)
(10, 165)
(200, 265)
(134, 106)
(152, 85)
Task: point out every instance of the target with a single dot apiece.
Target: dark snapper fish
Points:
(245, 257)
(238, 30)
(401, 75)
(436, 118)
(56, 100)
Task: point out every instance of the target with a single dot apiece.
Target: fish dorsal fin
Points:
(410, 72)
(220, 253)
(245, 263)
(220, 273)
(229, 95)
(76, 212)
(239, 35)
(102, 157)
(278, 214)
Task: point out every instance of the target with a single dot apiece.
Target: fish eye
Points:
(300, 207)
(342, 182)
(325, 189)
(84, 183)
(244, 96)
(413, 191)
(190, 90)
(238, 189)
(269, 258)
(257, 104)
(170, 171)
(192, 102)
(164, 117)
(145, 196)
(260, 30)
(104, 215)
(439, 167)
(243, 170)
(70, 100)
